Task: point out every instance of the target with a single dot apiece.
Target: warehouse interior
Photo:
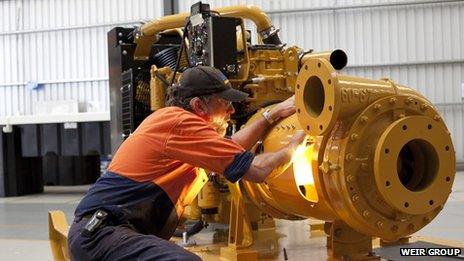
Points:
(371, 79)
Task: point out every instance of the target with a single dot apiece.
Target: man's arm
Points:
(263, 164)
(248, 136)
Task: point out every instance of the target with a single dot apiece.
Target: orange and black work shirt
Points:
(153, 170)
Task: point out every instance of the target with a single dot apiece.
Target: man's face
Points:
(219, 111)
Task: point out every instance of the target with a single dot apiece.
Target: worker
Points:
(133, 209)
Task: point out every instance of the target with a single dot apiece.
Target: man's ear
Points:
(199, 107)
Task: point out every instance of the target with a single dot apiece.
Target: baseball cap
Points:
(205, 80)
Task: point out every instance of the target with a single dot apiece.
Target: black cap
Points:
(205, 80)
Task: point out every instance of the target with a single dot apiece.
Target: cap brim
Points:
(233, 95)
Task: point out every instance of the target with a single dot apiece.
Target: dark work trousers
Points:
(121, 243)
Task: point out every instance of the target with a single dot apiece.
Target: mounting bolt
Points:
(366, 213)
(379, 224)
(401, 116)
(349, 157)
(364, 166)
(124, 52)
(119, 34)
(364, 119)
(355, 197)
(392, 100)
(350, 178)
(377, 107)
(436, 117)
(424, 107)
(408, 101)
(411, 226)
(354, 137)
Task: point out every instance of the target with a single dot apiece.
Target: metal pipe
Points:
(337, 58)
(251, 12)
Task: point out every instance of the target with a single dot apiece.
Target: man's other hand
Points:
(284, 109)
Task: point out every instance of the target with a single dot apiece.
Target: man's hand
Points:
(265, 163)
(283, 109)
(297, 138)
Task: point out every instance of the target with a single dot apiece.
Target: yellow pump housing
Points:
(382, 159)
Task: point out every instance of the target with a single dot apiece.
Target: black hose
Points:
(194, 229)
(180, 52)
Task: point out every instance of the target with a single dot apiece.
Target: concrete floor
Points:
(24, 228)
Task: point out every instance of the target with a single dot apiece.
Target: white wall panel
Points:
(420, 45)
(63, 44)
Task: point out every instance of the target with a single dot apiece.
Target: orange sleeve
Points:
(194, 141)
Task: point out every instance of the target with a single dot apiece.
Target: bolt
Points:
(411, 226)
(350, 178)
(436, 117)
(379, 224)
(424, 107)
(349, 156)
(124, 52)
(354, 137)
(355, 197)
(392, 100)
(120, 34)
(401, 116)
(364, 119)
(364, 166)
(325, 167)
(377, 107)
(366, 213)
(408, 101)
(426, 220)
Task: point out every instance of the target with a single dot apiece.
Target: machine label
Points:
(350, 95)
(430, 251)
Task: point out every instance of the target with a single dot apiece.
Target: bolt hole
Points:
(448, 179)
(415, 103)
(319, 65)
(405, 127)
(306, 68)
(431, 202)
(406, 204)
(429, 126)
(299, 111)
(298, 86)
(387, 151)
(320, 127)
(387, 183)
(329, 81)
(307, 127)
(351, 188)
(447, 148)
(330, 108)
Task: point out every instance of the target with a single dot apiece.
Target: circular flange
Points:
(421, 152)
(315, 97)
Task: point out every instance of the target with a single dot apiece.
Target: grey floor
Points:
(24, 228)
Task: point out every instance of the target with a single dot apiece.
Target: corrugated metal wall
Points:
(62, 45)
(416, 43)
